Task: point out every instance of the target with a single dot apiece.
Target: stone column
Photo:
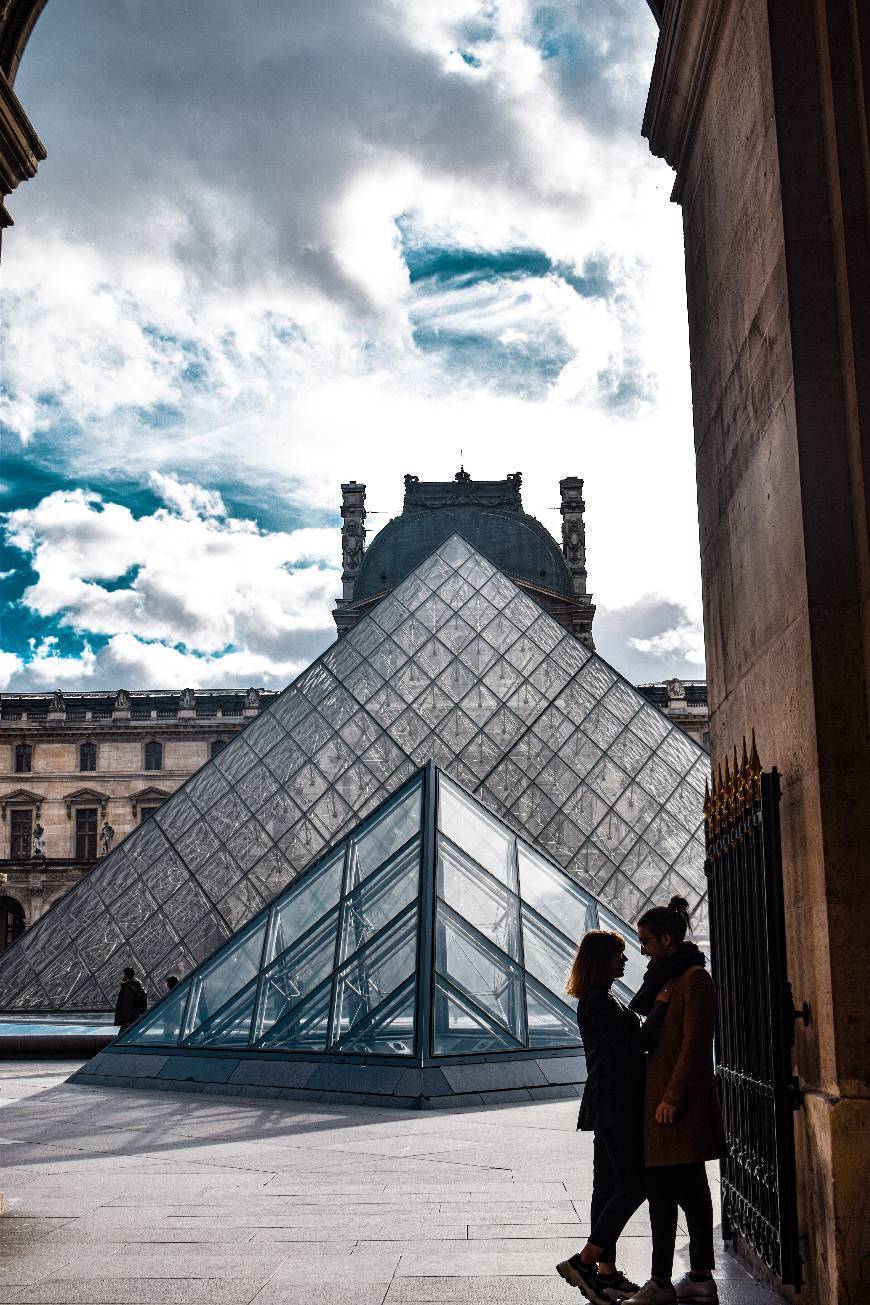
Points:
(353, 535)
(759, 105)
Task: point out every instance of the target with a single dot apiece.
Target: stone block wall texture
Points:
(773, 183)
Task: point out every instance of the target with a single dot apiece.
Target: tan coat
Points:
(680, 1072)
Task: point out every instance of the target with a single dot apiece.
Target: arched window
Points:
(218, 745)
(153, 755)
(23, 758)
(87, 756)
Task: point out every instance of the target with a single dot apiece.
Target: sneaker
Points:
(688, 1289)
(584, 1276)
(617, 1286)
(653, 1293)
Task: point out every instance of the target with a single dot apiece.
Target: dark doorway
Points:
(11, 921)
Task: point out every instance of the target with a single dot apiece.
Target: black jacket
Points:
(615, 1043)
(132, 1002)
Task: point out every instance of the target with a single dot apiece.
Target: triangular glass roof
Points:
(431, 931)
(457, 665)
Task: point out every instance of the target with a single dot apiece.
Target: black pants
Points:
(686, 1186)
(617, 1185)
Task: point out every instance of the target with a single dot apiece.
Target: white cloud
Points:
(188, 592)
(230, 309)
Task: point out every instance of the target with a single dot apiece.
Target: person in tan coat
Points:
(682, 1118)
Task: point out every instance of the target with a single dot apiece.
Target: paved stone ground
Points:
(138, 1198)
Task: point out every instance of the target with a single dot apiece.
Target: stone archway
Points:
(12, 921)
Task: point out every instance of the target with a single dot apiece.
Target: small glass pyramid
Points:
(431, 931)
(456, 665)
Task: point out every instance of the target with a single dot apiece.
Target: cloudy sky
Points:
(285, 243)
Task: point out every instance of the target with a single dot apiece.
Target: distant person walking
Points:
(132, 1000)
(615, 1042)
(682, 1119)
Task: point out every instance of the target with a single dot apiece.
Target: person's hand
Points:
(664, 993)
(665, 1114)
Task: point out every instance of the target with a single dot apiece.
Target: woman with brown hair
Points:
(682, 1120)
(615, 1043)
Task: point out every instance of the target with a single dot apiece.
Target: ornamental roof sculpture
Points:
(456, 665)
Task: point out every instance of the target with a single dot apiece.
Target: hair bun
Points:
(679, 904)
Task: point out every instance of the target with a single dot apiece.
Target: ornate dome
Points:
(487, 513)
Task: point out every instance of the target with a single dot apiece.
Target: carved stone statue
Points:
(38, 840)
(676, 689)
(107, 836)
(252, 698)
(57, 703)
(187, 701)
(122, 700)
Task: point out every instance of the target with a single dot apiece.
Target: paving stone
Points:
(140, 1291)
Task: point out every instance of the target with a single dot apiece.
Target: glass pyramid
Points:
(456, 665)
(431, 931)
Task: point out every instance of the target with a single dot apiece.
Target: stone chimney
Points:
(353, 535)
(574, 552)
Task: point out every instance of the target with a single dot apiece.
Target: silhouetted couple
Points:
(650, 1099)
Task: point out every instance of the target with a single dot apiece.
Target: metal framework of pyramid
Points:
(455, 665)
(429, 936)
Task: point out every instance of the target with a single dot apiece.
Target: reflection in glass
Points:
(389, 1031)
(373, 973)
(478, 898)
(379, 899)
(230, 1027)
(474, 967)
(548, 954)
(482, 836)
(459, 1026)
(228, 973)
(552, 1023)
(384, 836)
(553, 895)
(296, 972)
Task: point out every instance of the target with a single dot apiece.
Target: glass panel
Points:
(522, 611)
(601, 726)
(230, 1028)
(305, 1028)
(373, 973)
(454, 551)
(679, 751)
(219, 874)
(433, 705)
(570, 654)
(229, 973)
(591, 867)
(256, 786)
(533, 809)
(485, 975)
(553, 896)
(356, 785)
(433, 657)
(484, 838)
(315, 683)
(262, 733)
(458, 1026)
(623, 701)
(623, 895)
(478, 898)
(163, 1024)
(385, 836)
(304, 902)
(454, 632)
(456, 730)
(411, 635)
(650, 725)
(278, 813)
(206, 937)
(548, 954)
(615, 836)
(481, 755)
(285, 760)
(271, 874)
(552, 1023)
(296, 973)
(531, 754)
(607, 780)
(241, 903)
(206, 787)
(386, 657)
(658, 778)
(379, 899)
(524, 654)
(361, 730)
(331, 814)
(561, 838)
(388, 1031)
(291, 706)
(644, 867)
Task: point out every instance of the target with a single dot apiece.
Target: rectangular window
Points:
(86, 833)
(22, 834)
(145, 812)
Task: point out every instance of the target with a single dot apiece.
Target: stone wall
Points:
(760, 108)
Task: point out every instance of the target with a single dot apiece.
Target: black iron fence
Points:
(756, 1013)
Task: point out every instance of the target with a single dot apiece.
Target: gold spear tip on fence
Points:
(744, 761)
(754, 762)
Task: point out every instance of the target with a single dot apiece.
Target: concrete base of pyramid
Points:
(443, 1085)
